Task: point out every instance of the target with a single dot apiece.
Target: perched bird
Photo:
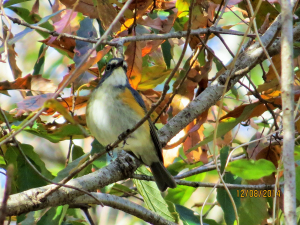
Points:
(115, 107)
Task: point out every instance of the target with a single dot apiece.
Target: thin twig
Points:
(117, 41)
(9, 177)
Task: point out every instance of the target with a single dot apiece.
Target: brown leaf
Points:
(167, 25)
(33, 83)
(81, 101)
(107, 13)
(55, 8)
(193, 137)
(86, 7)
(12, 55)
(150, 96)
(90, 62)
(35, 8)
(133, 57)
(63, 43)
(201, 18)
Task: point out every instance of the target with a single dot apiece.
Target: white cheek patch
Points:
(117, 78)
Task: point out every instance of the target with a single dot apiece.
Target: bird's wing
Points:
(153, 133)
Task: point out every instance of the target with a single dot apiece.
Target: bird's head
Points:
(115, 73)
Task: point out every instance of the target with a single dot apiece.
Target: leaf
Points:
(224, 127)
(222, 195)
(250, 169)
(82, 48)
(24, 176)
(64, 132)
(190, 217)
(54, 216)
(71, 167)
(32, 103)
(90, 61)
(166, 49)
(34, 19)
(11, 54)
(253, 211)
(119, 190)
(12, 2)
(29, 82)
(152, 196)
(39, 65)
(77, 152)
(264, 9)
(183, 7)
(107, 13)
(133, 57)
(181, 194)
(152, 76)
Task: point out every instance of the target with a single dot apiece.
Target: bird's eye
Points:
(108, 67)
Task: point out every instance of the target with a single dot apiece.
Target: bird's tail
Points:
(162, 176)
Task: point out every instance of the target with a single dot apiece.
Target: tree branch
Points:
(31, 200)
(124, 205)
(121, 40)
(288, 121)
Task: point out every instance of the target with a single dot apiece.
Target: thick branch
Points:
(124, 205)
(29, 200)
(287, 93)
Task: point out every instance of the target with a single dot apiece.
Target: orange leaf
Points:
(133, 57)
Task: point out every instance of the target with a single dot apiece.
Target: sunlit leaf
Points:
(250, 169)
(152, 196)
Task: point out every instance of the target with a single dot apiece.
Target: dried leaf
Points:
(29, 82)
(133, 57)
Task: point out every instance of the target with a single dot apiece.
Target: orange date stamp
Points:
(258, 193)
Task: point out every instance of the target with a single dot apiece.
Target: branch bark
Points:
(287, 93)
(124, 205)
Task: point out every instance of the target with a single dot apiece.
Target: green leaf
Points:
(53, 216)
(152, 196)
(181, 194)
(166, 49)
(70, 167)
(39, 65)
(60, 134)
(77, 151)
(222, 195)
(224, 127)
(13, 2)
(251, 169)
(173, 211)
(27, 219)
(119, 190)
(27, 177)
(24, 176)
(34, 19)
(253, 211)
(97, 148)
(190, 217)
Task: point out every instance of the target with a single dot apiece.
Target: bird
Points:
(113, 108)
